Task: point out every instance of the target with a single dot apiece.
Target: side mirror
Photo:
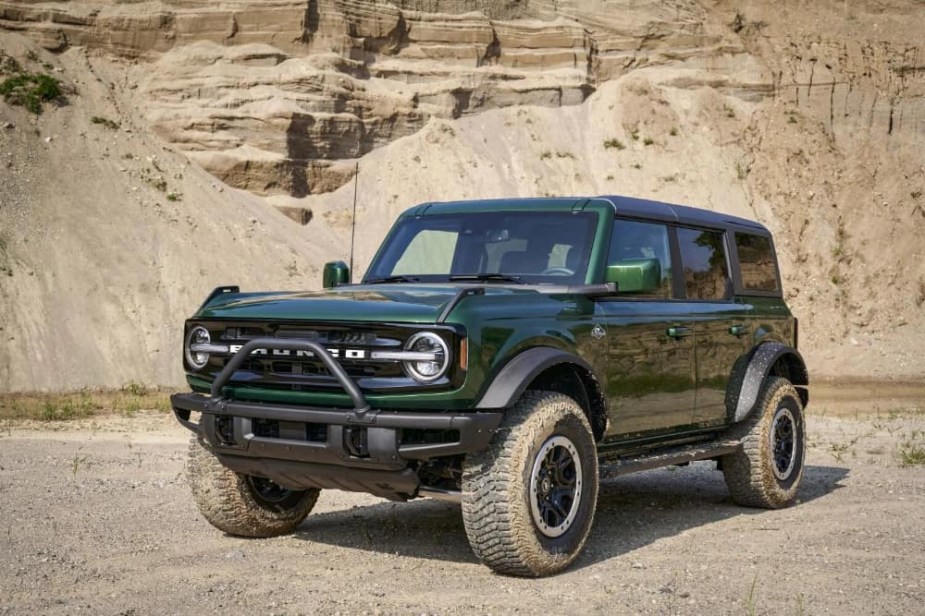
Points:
(335, 273)
(635, 275)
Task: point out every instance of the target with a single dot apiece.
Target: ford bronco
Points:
(507, 355)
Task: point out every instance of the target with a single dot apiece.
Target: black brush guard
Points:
(361, 449)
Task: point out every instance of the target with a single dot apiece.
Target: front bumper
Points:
(299, 447)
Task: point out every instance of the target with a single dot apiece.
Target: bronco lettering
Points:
(335, 353)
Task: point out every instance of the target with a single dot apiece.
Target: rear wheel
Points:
(767, 469)
(243, 505)
(529, 499)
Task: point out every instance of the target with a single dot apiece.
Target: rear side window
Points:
(756, 260)
(703, 261)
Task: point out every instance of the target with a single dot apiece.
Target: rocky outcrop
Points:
(141, 28)
(280, 97)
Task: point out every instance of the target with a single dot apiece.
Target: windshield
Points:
(525, 247)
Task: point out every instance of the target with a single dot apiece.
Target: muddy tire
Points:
(529, 499)
(242, 505)
(767, 469)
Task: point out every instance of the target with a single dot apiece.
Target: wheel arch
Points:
(766, 359)
(550, 369)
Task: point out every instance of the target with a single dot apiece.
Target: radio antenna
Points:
(353, 225)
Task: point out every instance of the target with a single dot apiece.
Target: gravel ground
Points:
(97, 518)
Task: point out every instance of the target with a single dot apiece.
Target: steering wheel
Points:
(561, 271)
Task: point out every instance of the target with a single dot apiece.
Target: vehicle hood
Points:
(396, 303)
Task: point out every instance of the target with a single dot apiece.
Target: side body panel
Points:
(721, 338)
(772, 337)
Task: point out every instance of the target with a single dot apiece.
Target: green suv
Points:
(507, 355)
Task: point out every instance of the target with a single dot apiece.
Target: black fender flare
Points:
(511, 382)
(760, 363)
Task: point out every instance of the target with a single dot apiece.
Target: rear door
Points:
(719, 324)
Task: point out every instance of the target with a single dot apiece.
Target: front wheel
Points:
(767, 469)
(529, 499)
(243, 505)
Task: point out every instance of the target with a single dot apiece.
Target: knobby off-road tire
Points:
(767, 469)
(529, 499)
(242, 505)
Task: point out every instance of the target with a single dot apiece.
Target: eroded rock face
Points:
(140, 28)
(279, 97)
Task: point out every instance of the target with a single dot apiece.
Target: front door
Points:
(651, 383)
(650, 377)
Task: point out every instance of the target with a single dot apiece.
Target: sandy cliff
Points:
(806, 117)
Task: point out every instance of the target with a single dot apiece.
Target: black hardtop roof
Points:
(682, 214)
(623, 206)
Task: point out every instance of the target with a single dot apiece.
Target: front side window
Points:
(703, 261)
(756, 260)
(640, 260)
(531, 247)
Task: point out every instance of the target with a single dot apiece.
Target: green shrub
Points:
(134, 389)
(105, 122)
(30, 90)
(912, 451)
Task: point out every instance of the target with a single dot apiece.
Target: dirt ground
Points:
(98, 519)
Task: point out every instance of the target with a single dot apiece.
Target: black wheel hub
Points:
(783, 443)
(555, 486)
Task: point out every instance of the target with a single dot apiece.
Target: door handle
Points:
(678, 332)
(738, 330)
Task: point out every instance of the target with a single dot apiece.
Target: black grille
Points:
(280, 370)
(290, 370)
(314, 372)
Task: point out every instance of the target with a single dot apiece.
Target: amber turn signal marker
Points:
(464, 354)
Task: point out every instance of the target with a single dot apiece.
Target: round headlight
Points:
(197, 335)
(435, 365)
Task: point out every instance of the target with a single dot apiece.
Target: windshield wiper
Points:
(396, 278)
(487, 277)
